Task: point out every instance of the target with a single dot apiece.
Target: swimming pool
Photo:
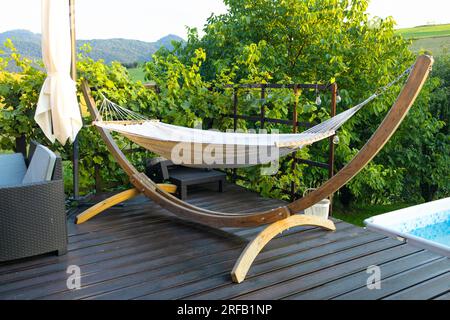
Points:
(426, 226)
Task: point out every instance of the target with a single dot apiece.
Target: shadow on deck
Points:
(140, 251)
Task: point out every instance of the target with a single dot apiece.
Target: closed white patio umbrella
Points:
(57, 113)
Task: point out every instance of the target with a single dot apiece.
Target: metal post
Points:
(235, 109)
(235, 123)
(76, 148)
(334, 89)
(333, 113)
(294, 130)
(263, 105)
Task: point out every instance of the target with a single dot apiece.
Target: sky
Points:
(149, 20)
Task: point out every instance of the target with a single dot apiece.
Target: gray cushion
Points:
(41, 166)
(12, 169)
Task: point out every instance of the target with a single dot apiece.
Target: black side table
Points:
(161, 170)
(183, 177)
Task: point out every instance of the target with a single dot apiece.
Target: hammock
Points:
(213, 149)
(277, 219)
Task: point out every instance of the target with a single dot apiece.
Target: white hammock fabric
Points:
(213, 149)
(204, 148)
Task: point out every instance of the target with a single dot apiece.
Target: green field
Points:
(137, 74)
(437, 46)
(432, 38)
(431, 31)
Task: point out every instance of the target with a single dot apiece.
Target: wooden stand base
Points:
(114, 200)
(250, 253)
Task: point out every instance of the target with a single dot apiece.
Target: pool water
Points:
(426, 225)
(438, 232)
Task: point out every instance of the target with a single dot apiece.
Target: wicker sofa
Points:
(32, 216)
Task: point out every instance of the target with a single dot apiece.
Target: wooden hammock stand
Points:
(278, 219)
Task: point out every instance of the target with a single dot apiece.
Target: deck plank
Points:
(324, 290)
(318, 259)
(138, 250)
(401, 282)
(445, 296)
(425, 290)
(313, 279)
(220, 270)
(132, 281)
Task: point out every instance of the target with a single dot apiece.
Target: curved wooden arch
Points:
(219, 219)
(387, 128)
(250, 253)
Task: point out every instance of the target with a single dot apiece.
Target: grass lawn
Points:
(434, 38)
(431, 31)
(437, 46)
(356, 214)
(137, 74)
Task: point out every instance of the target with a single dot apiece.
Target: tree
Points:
(308, 40)
(424, 146)
(19, 92)
(311, 41)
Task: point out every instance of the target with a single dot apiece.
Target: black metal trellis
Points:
(333, 88)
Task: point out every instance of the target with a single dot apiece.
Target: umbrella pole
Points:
(76, 148)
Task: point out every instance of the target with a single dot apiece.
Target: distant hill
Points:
(123, 50)
(434, 38)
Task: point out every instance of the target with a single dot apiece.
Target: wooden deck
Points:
(140, 251)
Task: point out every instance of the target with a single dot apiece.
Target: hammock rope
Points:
(339, 120)
(111, 112)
